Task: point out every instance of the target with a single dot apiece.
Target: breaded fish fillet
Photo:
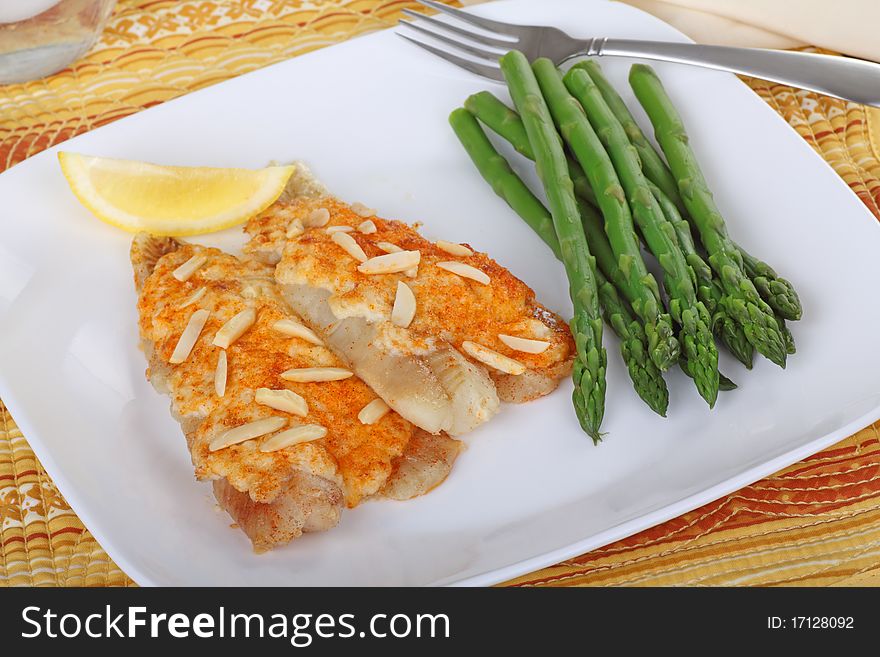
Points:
(270, 415)
(439, 331)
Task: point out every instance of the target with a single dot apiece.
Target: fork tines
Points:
(483, 47)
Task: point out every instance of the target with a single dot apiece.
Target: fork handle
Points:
(842, 77)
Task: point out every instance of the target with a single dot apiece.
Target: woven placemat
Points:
(817, 522)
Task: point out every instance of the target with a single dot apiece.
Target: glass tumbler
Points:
(41, 37)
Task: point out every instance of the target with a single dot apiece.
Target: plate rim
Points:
(672, 510)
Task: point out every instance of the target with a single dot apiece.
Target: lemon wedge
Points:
(166, 200)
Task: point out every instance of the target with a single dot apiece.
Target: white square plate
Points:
(370, 117)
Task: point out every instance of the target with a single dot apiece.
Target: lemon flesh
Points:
(170, 200)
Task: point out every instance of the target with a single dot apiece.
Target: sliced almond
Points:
(188, 338)
(235, 328)
(295, 228)
(492, 358)
(367, 227)
(453, 248)
(351, 247)
(296, 330)
(282, 400)
(388, 247)
(404, 308)
(194, 297)
(338, 229)
(373, 412)
(220, 374)
(247, 432)
(318, 217)
(362, 210)
(465, 271)
(313, 374)
(390, 263)
(524, 345)
(189, 267)
(302, 434)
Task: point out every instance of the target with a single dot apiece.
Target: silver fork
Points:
(842, 77)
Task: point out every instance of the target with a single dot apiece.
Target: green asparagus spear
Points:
(647, 380)
(497, 172)
(654, 167)
(695, 337)
(640, 287)
(787, 337)
(709, 289)
(506, 123)
(724, 384)
(590, 359)
(501, 119)
(741, 300)
(775, 290)
(600, 247)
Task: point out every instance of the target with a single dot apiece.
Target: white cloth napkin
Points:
(846, 26)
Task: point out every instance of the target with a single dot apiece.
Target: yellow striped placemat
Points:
(845, 134)
(817, 522)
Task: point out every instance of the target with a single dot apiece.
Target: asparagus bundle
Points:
(735, 295)
(586, 324)
(679, 280)
(639, 286)
(647, 379)
(507, 124)
(741, 300)
(775, 290)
